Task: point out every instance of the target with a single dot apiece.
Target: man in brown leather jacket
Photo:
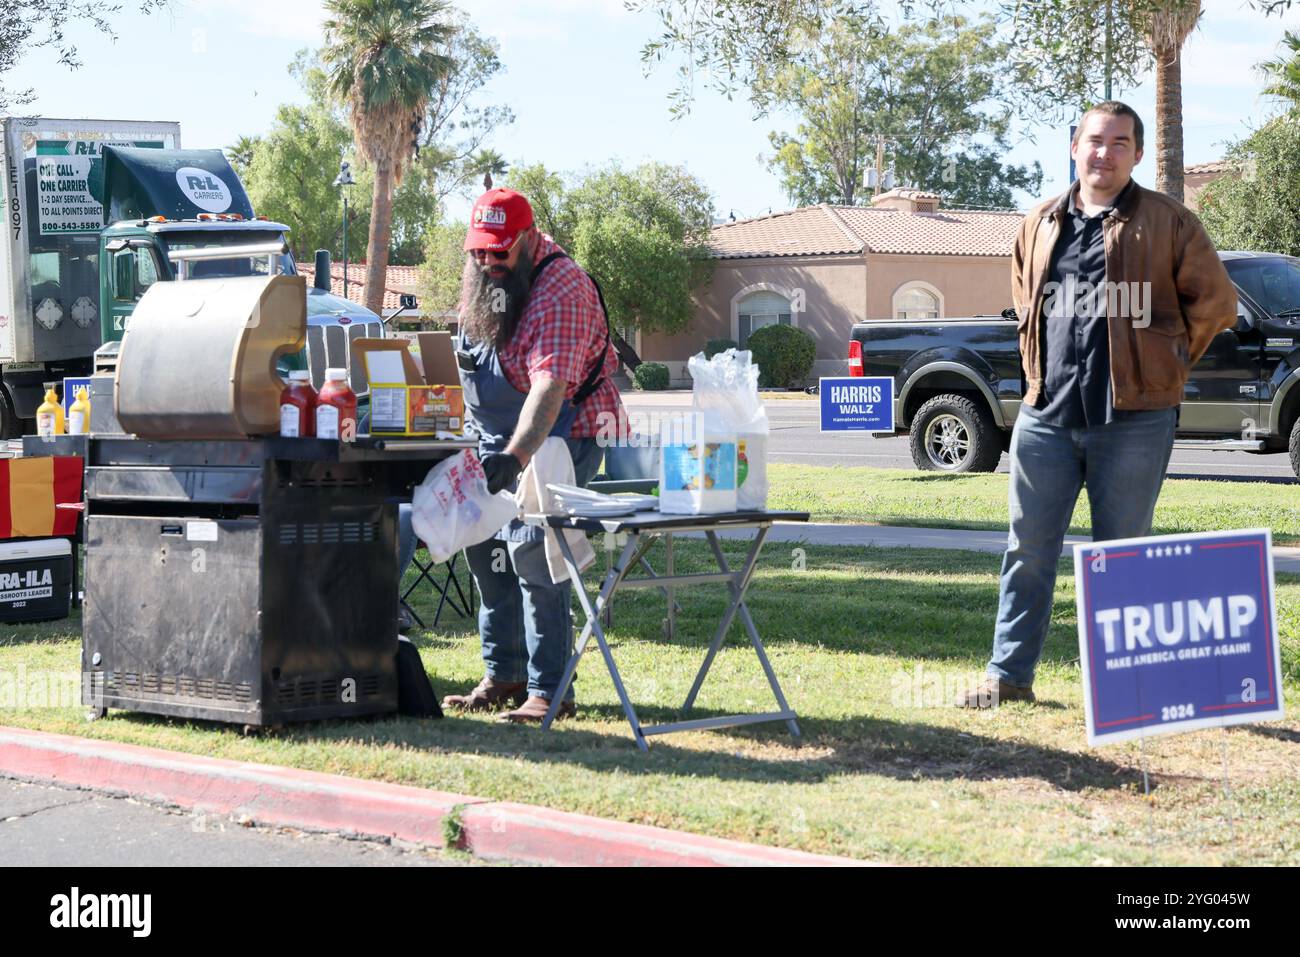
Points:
(1118, 291)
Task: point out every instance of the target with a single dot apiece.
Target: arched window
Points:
(759, 309)
(918, 300)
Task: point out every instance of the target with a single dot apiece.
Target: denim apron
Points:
(493, 405)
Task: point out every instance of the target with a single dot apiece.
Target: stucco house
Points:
(823, 268)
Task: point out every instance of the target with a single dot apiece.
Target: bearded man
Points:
(535, 361)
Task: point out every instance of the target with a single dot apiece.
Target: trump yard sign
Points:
(1177, 632)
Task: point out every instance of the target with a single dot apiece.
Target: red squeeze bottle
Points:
(298, 407)
(336, 407)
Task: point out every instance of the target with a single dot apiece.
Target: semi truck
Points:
(96, 212)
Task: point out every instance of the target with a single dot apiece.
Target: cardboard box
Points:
(409, 397)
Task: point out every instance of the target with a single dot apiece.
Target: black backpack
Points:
(415, 697)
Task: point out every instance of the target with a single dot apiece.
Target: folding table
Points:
(642, 530)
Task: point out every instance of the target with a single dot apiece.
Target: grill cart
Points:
(246, 581)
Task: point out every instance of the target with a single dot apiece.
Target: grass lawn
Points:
(900, 497)
(867, 644)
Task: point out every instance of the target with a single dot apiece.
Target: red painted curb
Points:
(522, 832)
(264, 792)
(269, 794)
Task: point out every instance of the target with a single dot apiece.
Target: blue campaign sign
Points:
(1177, 632)
(857, 403)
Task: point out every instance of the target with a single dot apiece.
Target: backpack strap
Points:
(593, 379)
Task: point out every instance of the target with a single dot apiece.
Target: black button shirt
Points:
(1075, 344)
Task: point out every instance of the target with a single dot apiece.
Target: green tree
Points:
(642, 233)
(1283, 72)
(290, 177)
(1060, 38)
(935, 91)
(240, 154)
(1257, 208)
(442, 268)
(289, 172)
(548, 195)
(731, 43)
(385, 62)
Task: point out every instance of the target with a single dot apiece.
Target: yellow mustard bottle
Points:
(79, 414)
(49, 417)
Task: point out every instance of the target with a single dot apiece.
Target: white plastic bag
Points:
(452, 508)
(725, 391)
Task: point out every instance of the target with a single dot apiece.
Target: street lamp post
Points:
(343, 181)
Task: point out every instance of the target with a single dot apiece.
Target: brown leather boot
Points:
(992, 692)
(533, 711)
(490, 695)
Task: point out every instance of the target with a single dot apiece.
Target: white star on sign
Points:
(1148, 553)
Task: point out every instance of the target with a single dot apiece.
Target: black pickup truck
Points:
(958, 382)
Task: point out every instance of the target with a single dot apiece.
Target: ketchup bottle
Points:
(336, 407)
(298, 406)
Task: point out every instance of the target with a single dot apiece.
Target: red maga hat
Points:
(499, 216)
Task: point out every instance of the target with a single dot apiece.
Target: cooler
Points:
(35, 580)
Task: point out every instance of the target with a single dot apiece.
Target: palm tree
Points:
(383, 65)
(1167, 25)
(241, 153)
(1284, 72)
(488, 162)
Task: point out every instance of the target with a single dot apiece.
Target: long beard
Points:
(491, 308)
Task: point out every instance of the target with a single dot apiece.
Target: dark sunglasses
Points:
(481, 255)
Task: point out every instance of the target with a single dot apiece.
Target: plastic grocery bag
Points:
(452, 508)
(725, 394)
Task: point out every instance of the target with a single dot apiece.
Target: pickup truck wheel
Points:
(1294, 448)
(950, 433)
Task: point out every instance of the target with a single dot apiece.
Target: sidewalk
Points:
(309, 800)
(1285, 559)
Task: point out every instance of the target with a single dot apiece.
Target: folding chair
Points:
(451, 580)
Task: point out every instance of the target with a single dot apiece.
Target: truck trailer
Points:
(95, 212)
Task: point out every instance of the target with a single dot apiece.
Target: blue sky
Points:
(575, 81)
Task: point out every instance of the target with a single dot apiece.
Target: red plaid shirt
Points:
(560, 336)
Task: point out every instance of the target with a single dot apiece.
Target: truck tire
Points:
(951, 433)
(1294, 448)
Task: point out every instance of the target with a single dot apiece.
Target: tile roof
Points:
(399, 280)
(810, 231)
(1215, 166)
(839, 230)
(941, 233)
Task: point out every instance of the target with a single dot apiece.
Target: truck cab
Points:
(202, 226)
(136, 254)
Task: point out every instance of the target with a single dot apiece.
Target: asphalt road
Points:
(796, 437)
(60, 827)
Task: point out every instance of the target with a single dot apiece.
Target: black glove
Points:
(501, 469)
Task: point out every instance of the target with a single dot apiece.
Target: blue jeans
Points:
(524, 618)
(590, 457)
(1122, 464)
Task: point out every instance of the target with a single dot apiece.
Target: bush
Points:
(651, 377)
(784, 355)
(714, 346)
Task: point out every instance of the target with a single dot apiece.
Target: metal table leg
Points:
(727, 616)
(743, 610)
(592, 627)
